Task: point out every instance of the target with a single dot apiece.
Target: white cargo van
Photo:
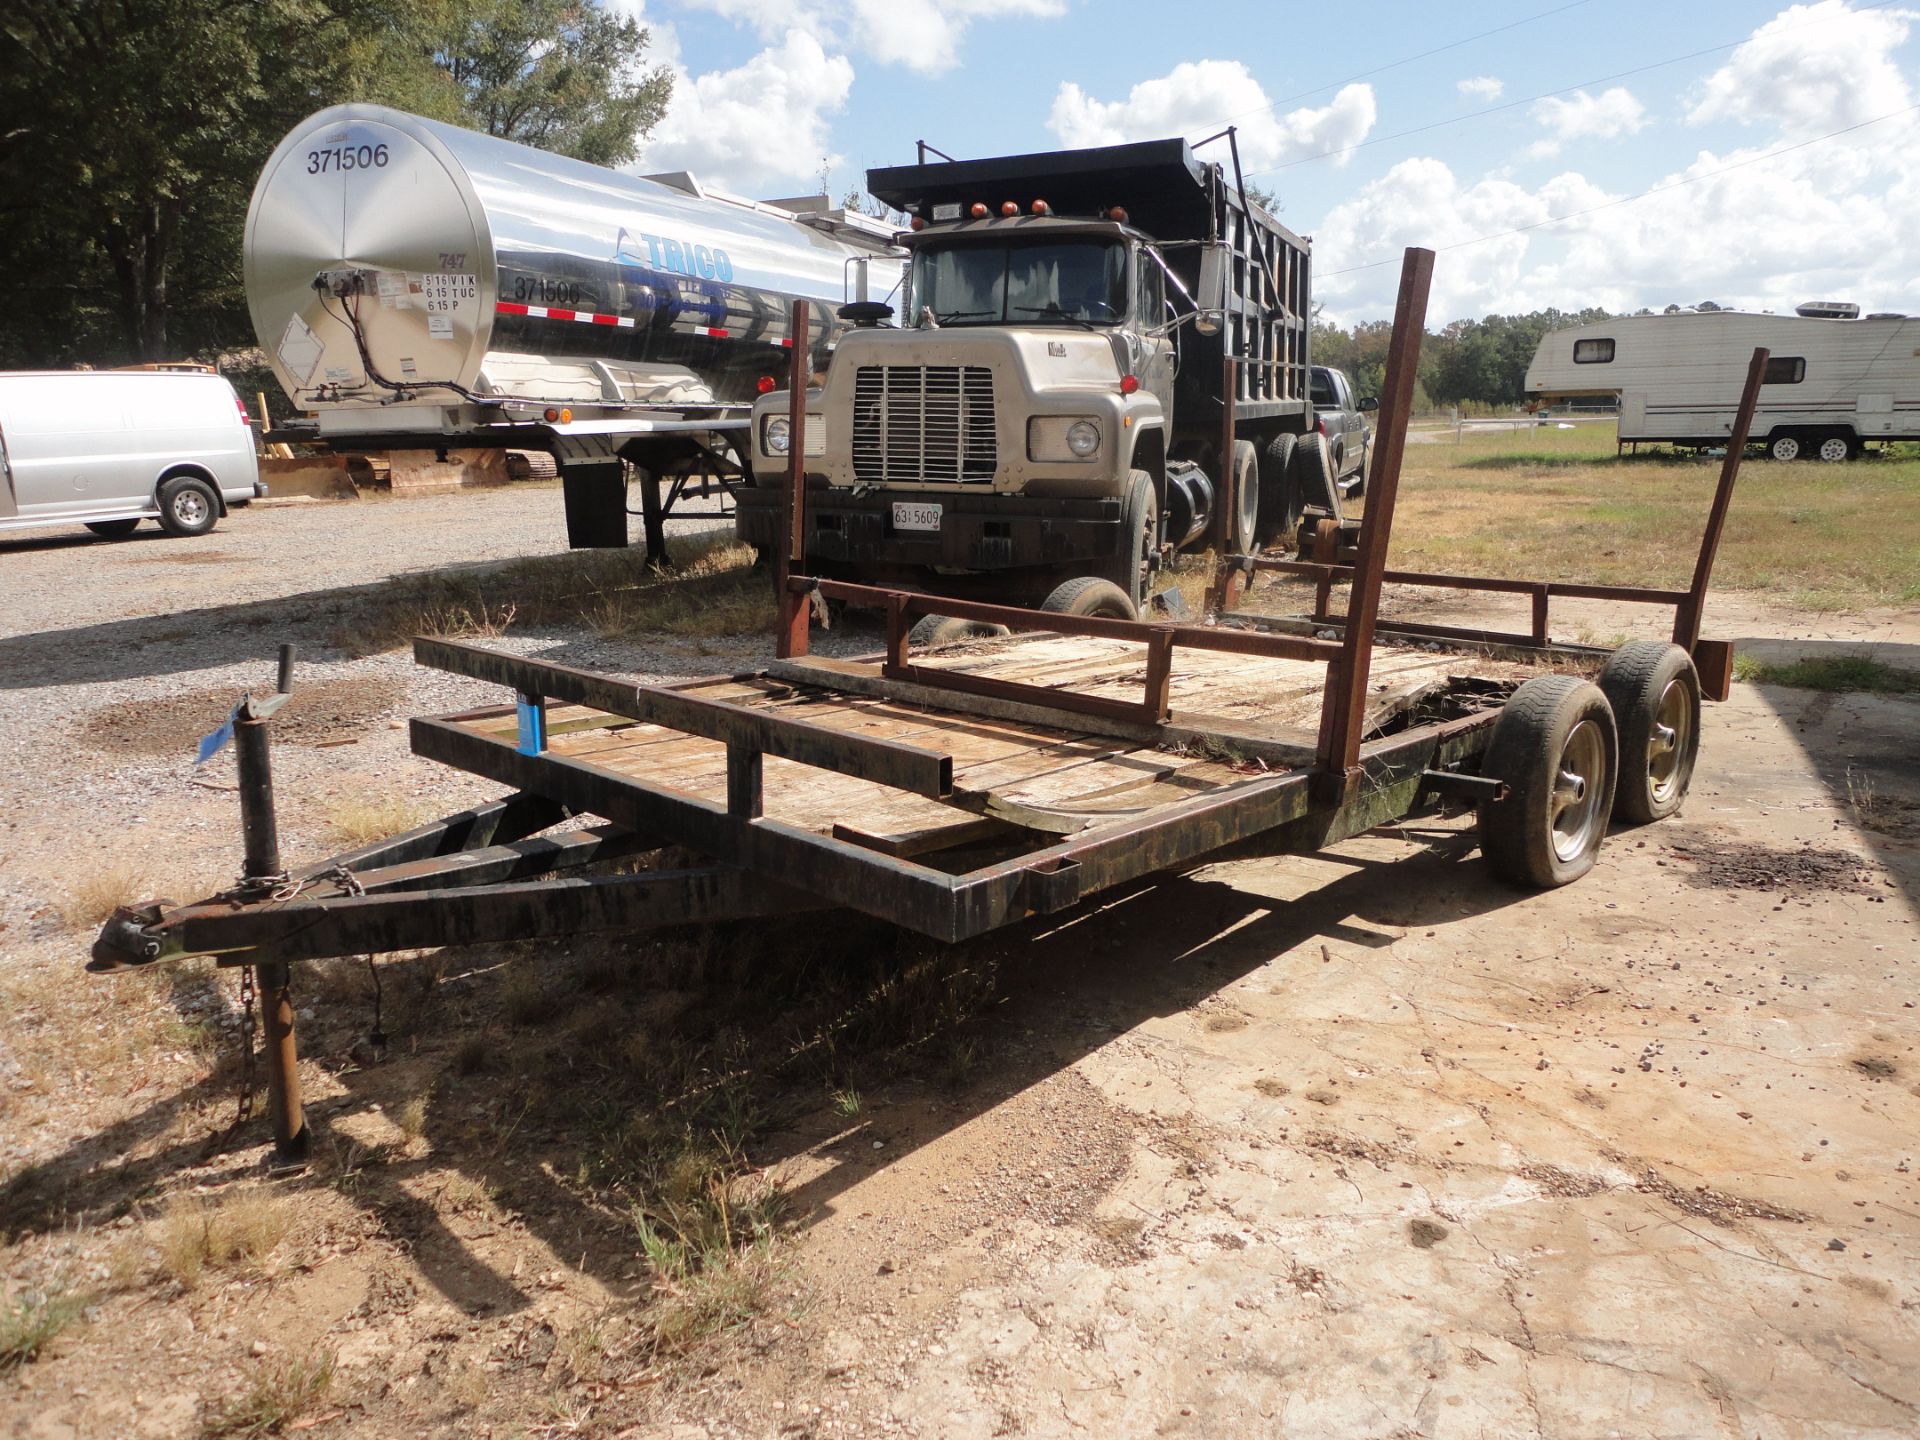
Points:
(110, 448)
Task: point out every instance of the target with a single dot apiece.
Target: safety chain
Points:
(248, 1064)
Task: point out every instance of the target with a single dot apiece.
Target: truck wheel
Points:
(1554, 747)
(1655, 694)
(1245, 538)
(1786, 447)
(113, 529)
(1139, 541)
(1279, 496)
(936, 632)
(1313, 472)
(1833, 448)
(188, 506)
(1090, 595)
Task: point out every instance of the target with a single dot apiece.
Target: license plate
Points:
(915, 517)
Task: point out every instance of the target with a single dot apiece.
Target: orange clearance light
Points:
(764, 384)
(1129, 384)
(978, 210)
(918, 223)
(1117, 215)
(1007, 207)
(1040, 207)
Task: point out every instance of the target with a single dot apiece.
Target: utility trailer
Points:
(957, 791)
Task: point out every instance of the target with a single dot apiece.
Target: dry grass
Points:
(1558, 504)
(711, 592)
(281, 1392)
(1841, 674)
(355, 820)
(30, 1321)
(240, 1231)
(94, 894)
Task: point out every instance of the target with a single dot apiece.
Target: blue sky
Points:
(769, 90)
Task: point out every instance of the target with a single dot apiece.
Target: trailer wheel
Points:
(188, 506)
(1090, 595)
(1786, 447)
(113, 529)
(936, 632)
(1139, 541)
(1834, 448)
(1279, 496)
(1555, 749)
(1655, 693)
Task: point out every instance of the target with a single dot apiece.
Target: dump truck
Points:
(1093, 343)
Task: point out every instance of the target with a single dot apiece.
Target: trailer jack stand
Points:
(284, 1109)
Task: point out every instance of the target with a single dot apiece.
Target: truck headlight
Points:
(778, 434)
(1063, 437)
(1083, 438)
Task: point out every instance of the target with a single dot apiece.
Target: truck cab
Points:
(1025, 418)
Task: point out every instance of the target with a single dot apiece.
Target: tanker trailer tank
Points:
(417, 285)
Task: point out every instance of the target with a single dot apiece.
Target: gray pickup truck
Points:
(1344, 422)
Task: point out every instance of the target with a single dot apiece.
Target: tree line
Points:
(132, 131)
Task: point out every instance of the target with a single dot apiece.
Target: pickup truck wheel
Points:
(1655, 694)
(936, 632)
(1245, 538)
(188, 506)
(1555, 749)
(1279, 496)
(1313, 472)
(1090, 595)
(1139, 541)
(1786, 447)
(1834, 448)
(113, 529)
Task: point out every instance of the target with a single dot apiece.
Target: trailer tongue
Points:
(956, 792)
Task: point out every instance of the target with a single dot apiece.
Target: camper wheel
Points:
(1834, 448)
(1786, 447)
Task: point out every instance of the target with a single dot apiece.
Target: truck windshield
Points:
(1033, 282)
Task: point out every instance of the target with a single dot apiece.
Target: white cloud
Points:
(1811, 69)
(1197, 98)
(1481, 87)
(924, 35)
(764, 122)
(1581, 116)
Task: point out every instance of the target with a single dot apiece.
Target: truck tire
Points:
(936, 632)
(1655, 694)
(1786, 447)
(1834, 447)
(1244, 537)
(1313, 471)
(1555, 749)
(1139, 539)
(1090, 595)
(188, 506)
(1279, 496)
(113, 529)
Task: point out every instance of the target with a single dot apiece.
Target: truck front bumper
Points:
(978, 532)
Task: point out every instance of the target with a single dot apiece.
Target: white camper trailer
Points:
(1834, 381)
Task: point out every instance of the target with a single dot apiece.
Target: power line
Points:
(1546, 95)
(1641, 195)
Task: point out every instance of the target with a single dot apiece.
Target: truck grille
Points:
(923, 422)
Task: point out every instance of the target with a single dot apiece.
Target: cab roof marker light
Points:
(1040, 207)
(1009, 208)
(978, 210)
(1117, 215)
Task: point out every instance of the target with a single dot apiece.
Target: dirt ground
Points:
(1362, 1144)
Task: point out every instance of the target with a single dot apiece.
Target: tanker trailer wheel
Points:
(188, 506)
(1834, 448)
(936, 632)
(1245, 536)
(1139, 542)
(1786, 447)
(1554, 748)
(1279, 496)
(1090, 595)
(1655, 694)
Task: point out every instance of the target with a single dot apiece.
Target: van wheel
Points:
(1655, 693)
(1786, 447)
(1139, 542)
(188, 506)
(1279, 496)
(113, 529)
(1555, 748)
(1090, 595)
(1834, 448)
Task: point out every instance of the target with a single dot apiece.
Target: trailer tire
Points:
(188, 506)
(936, 632)
(113, 529)
(1139, 540)
(1090, 595)
(1834, 448)
(1313, 472)
(1279, 496)
(1655, 694)
(1555, 748)
(1786, 447)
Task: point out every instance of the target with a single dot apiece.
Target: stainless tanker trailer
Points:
(420, 286)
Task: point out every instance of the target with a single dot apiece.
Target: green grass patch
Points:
(1844, 674)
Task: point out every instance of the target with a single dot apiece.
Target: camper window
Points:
(1785, 370)
(1592, 352)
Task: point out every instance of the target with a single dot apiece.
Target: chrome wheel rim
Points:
(189, 507)
(1574, 811)
(1671, 739)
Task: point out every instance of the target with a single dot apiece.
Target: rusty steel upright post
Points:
(1344, 709)
(790, 639)
(1687, 615)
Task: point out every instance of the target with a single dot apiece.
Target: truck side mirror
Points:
(1370, 402)
(1210, 295)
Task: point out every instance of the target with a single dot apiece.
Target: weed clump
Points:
(30, 1321)
(281, 1393)
(241, 1231)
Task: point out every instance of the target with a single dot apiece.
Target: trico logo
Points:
(676, 257)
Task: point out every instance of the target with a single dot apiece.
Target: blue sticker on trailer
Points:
(532, 715)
